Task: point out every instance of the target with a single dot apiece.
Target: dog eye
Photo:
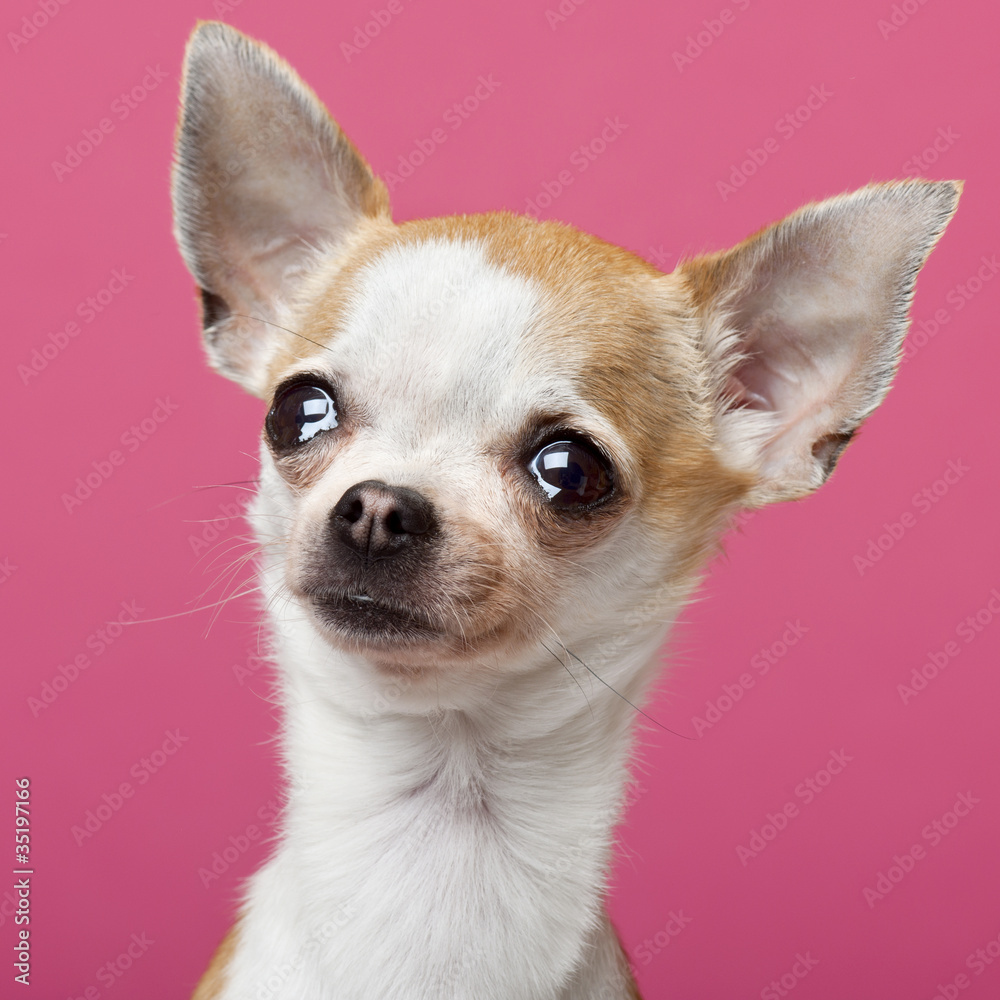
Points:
(299, 413)
(572, 474)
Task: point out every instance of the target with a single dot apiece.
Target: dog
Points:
(497, 455)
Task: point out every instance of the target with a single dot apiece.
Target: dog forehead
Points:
(434, 333)
(493, 316)
(434, 328)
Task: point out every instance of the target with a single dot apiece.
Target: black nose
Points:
(375, 520)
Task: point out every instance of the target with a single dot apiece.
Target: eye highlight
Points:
(572, 474)
(300, 412)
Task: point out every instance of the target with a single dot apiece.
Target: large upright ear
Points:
(803, 324)
(264, 183)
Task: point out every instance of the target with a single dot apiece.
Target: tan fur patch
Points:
(212, 982)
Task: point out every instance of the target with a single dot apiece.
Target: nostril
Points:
(394, 523)
(353, 511)
(351, 506)
(411, 516)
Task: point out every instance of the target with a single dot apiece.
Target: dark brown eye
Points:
(571, 474)
(299, 413)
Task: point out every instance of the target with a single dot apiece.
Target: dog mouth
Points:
(373, 620)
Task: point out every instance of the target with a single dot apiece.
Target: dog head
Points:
(486, 433)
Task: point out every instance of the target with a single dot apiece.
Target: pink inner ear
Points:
(794, 358)
(751, 383)
(740, 396)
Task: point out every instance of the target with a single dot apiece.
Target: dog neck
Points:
(460, 851)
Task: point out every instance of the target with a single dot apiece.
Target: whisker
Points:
(239, 483)
(623, 698)
(565, 667)
(191, 611)
(232, 569)
(277, 326)
(218, 609)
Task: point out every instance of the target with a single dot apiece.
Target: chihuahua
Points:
(497, 455)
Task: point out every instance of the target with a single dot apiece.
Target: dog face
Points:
(468, 477)
(488, 435)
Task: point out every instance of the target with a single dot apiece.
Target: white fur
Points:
(446, 838)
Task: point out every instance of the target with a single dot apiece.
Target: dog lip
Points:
(345, 598)
(362, 616)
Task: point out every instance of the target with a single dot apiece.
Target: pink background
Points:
(654, 190)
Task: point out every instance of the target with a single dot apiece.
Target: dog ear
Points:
(803, 324)
(264, 183)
